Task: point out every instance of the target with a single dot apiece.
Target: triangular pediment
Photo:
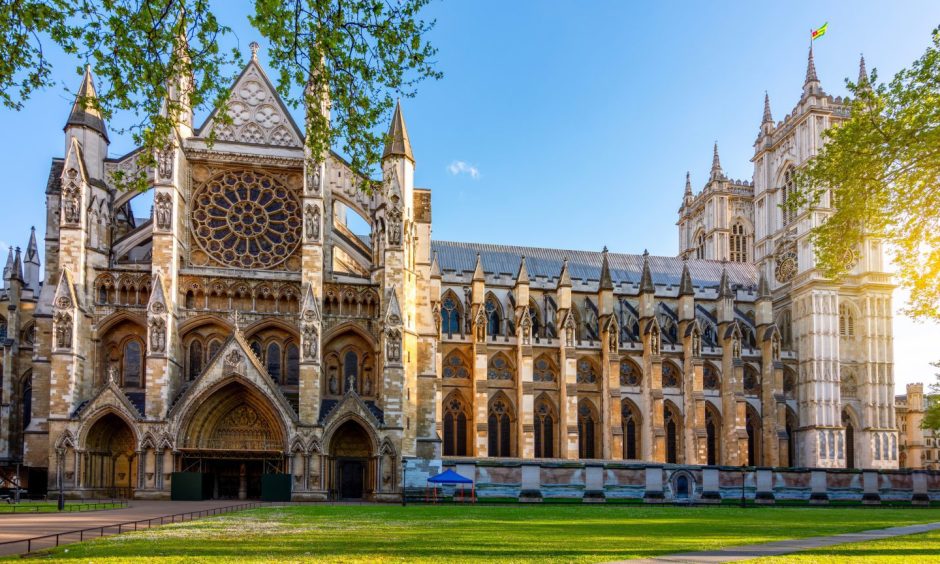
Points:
(65, 295)
(109, 396)
(351, 404)
(235, 361)
(259, 116)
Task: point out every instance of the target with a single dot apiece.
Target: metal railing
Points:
(43, 506)
(56, 539)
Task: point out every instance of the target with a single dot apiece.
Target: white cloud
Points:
(462, 167)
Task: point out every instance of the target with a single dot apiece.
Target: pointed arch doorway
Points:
(352, 457)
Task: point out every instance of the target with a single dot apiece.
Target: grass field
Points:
(547, 533)
(910, 549)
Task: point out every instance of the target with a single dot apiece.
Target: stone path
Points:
(21, 526)
(738, 553)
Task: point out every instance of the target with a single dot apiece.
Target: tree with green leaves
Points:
(358, 54)
(882, 170)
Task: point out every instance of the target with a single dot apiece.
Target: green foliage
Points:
(159, 58)
(467, 533)
(932, 409)
(880, 171)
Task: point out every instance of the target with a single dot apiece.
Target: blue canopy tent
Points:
(452, 478)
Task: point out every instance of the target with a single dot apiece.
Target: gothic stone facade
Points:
(243, 328)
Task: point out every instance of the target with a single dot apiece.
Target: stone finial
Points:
(564, 277)
(85, 112)
(685, 284)
(811, 78)
(254, 50)
(8, 269)
(32, 249)
(17, 273)
(768, 117)
(606, 282)
(716, 171)
(435, 267)
(397, 143)
(646, 278)
(522, 277)
(763, 287)
(478, 273)
(724, 285)
(688, 185)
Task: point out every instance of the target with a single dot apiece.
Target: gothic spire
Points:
(688, 185)
(84, 113)
(606, 282)
(17, 273)
(646, 278)
(397, 142)
(685, 283)
(564, 278)
(768, 117)
(811, 79)
(8, 269)
(862, 72)
(478, 273)
(435, 267)
(763, 287)
(724, 286)
(32, 249)
(716, 164)
(523, 275)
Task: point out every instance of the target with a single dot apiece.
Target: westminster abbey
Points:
(242, 328)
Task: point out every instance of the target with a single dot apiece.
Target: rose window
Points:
(246, 220)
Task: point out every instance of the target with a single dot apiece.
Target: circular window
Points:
(246, 220)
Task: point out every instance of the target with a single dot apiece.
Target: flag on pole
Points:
(817, 33)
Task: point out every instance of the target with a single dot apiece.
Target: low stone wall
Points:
(599, 481)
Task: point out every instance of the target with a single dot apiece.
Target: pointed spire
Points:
(724, 285)
(646, 278)
(564, 277)
(862, 72)
(606, 282)
(310, 308)
(8, 269)
(716, 164)
(688, 185)
(397, 142)
(435, 267)
(768, 117)
(32, 249)
(84, 113)
(522, 277)
(685, 283)
(478, 273)
(811, 78)
(254, 50)
(393, 310)
(17, 267)
(763, 287)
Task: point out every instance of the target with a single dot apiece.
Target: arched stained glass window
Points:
(544, 370)
(293, 365)
(544, 430)
(455, 428)
(586, 423)
(738, 243)
(455, 367)
(587, 374)
(493, 317)
(195, 360)
(132, 364)
(273, 361)
(450, 317)
(499, 429)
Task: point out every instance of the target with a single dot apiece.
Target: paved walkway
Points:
(20, 526)
(738, 553)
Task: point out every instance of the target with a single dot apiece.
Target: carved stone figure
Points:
(654, 342)
(312, 214)
(314, 181)
(393, 346)
(63, 330)
(163, 210)
(157, 335)
(233, 362)
(310, 348)
(394, 226)
(165, 163)
(696, 344)
(367, 386)
(71, 213)
(334, 382)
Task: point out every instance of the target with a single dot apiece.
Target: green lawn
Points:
(518, 533)
(910, 549)
(52, 506)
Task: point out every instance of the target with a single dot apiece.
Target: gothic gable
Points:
(259, 117)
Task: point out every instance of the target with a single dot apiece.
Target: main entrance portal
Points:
(234, 440)
(353, 465)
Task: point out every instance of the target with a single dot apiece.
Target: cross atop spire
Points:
(768, 117)
(84, 113)
(397, 142)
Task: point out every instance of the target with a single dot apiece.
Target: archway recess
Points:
(352, 454)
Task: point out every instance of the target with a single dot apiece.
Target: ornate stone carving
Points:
(256, 115)
(63, 330)
(246, 219)
(71, 209)
(314, 179)
(163, 211)
(786, 261)
(311, 342)
(234, 362)
(312, 219)
(393, 226)
(165, 162)
(393, 346)
(157, 335)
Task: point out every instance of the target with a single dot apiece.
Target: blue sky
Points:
(575, 121)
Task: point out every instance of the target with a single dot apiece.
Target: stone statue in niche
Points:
(163, 210)
(393, 346)
(157, 335)
(654, 342)
(315, 178)
(70, 207)
(696, 344)
(310, 343)
(333, 381)
(165, 162)
(394, 226)
(367, 386)
(569, 335)
(63, 330)
(351, 382)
